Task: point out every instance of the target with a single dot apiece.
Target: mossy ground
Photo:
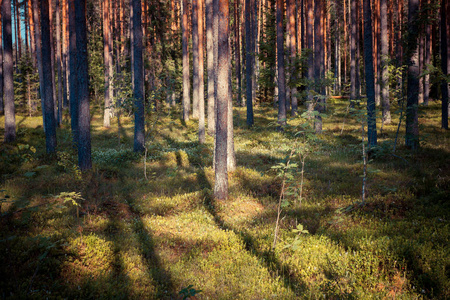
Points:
(150, 238)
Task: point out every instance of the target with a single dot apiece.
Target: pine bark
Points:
(386, 106)
(412, 101)
(195, 60)
(210, 66)
(58, 61)
(370, 81)
(47, 90)
(237, 51)
(317, 64)
(248, 62)
(52, 60)
(281, 75)
(201, 83)
(107, 56)
(223, 97)
(185, 46)
(293, 54)
(353, 34)
(73, 82)
(84, 144)
(138, 71)
(8, 81)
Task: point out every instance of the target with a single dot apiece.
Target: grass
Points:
(153, 238)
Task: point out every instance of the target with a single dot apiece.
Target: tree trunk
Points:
(370, 81)
(210, 65)
(195, 60)
(318, 64)
(185, 45)
(201, 84)
(138, 70)
(353, 34)
(445, 58)
(52, 60)
(248, 62)
(223, 97)
(47, 90)
(280, 59)
(293, 53)
(65, 56)
(32, 34)
(8, 81)
(237, 52)
(385, 64)
(412, 102)
(58, 60)
(107, 51)
(19, 31)
(73, 82)
(84, 144)
(426, 88)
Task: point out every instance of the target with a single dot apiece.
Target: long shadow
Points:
(272, 263)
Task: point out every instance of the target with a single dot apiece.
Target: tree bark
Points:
(293, 53)
(280, 59)
(58, 60)
(210, 65)
(65, 56)
(73, 81)
(107, 55)
(223, 97)
(201, 83)
(195, 60)
(248, 62)
(385, 64)
(52, 60)
(318, 63)
(138, 70)
(185, 46)
(237, 51)
(412, 102)
(370, 81)
(8, 81)
(353, 34)
(47, 90)
(84, 144)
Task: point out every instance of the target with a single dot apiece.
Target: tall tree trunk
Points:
(65, 56)
(52, 60)
(293, 53)
(412, 102)
(426, 88)
(318, 63)
(58, 60)
(8, 81)
(84, 143)
(38, 41)
(19, 31)
(237, 51)
(73, 81)
(185, 46)
(353, 34)
(201, 83)
(47, 90)
(107, 51)
(223, 97)
(445, 59)
(385, 64)
(280, 59)
(138, 70)
(195, 60)
(370, 81)
(210, 66)
(248, 62)
(32, 34)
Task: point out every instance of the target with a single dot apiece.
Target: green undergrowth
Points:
(131, 230)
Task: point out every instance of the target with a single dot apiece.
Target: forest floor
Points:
(116, 233)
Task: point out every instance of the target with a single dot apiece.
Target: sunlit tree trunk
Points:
(210, 66)
(138, 70)
(195, 60)
(318, 63)
(412, 102)
(107, 55)
(385, 64)
(280, 59)
(84, 144)
(293, 53)
(352, 35)
(237, 51)
(223, 97)
(32, 34)
(65, 56)
(47, 90)
(370, 81)
(201, 84)
(8, 81)
(249, 61)
(58, 60)
(185, 46)
(19, 31)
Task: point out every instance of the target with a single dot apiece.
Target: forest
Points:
(224, 149)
